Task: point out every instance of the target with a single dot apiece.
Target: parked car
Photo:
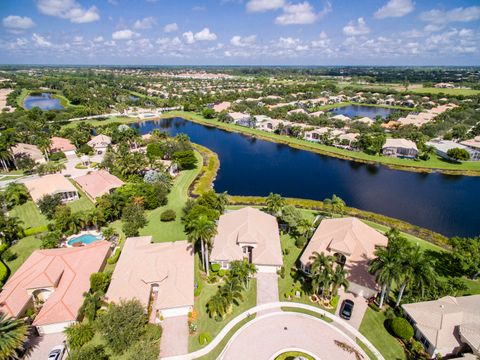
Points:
(346, 309)
(57, 353)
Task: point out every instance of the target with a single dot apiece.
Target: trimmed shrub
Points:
(100, 281)
(59, 155)
(401, 328)
(113, 259)
(300, 242)
(79, 334)
(204, 338)
(168, 215)
(153, 332)
(215, 267)
(221, 273)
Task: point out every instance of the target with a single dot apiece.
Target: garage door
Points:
(266, 269)
(181, 311)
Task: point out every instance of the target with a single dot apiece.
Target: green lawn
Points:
(451, 92)
(207, 324)
(29, 214)
(23, 249)
(82, 204)
(172, 231)
(373, 329)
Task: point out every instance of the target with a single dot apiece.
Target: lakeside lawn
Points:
(29, 214)
(172, 231)
(23, 249)
(373, 328)
(204, 322)
(434, 163)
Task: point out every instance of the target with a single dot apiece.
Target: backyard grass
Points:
(373, 329)
(434, 163)
(204, 321)
(82, 204)
(23, 249)
(29, 214)
(173, 230)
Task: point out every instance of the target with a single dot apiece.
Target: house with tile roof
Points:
(249, 234)
(159, 275)
(447, 326)
(53, 282)
(98, 183)
(52, 184)
(352, 243)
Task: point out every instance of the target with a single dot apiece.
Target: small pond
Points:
(361, 110)
(44, 101)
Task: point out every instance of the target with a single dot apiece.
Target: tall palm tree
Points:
(202, 230)
(321, 270)
(275, 204)
(336, 205)
(217, 306)
(232, 292)
(243, 270)
(304, 226)
(417, 271)
(339, 278)
(13, 334)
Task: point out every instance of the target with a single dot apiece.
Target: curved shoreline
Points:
(313, 147)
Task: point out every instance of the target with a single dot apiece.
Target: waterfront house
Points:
(240, 118)
(472, 143)
(63, 145)
(53, 282)
(53, 184)
(100, 143)
(365, 120)
(448, 325)
(225, 105)
(353, 244)
(31, 151)
(341, 117)
(401, 148)
(315, 134)
(98, 183)
(442, 147)
(249, 234)
(159, 275)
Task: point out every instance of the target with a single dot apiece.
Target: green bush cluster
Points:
(401, 328)
(168, 215)
(215, 267)
(113, 260)
(204, 338)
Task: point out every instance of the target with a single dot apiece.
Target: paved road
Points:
(175, 335)
(268, 334)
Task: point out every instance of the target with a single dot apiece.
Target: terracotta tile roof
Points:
(98, 183)
(49, 185)
(66, 270)
(169, 265)
(248, 226)
(61, 144)
(100, 141)
(351, 237)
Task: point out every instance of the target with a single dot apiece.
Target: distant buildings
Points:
(443, 146)
(240, 118)
(448, 325)
(159, 275)
(353, 244)
(249, 234)
(400, 148)
(54, 184)
(53, 282)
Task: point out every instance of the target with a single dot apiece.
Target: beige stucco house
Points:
(401, 148)
(52, 184)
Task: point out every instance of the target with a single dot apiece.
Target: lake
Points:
(360, 110)
(249, 166)
(44, 101)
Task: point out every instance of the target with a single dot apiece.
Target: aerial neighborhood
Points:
(183, 213)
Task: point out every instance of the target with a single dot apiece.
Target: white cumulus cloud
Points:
(459, 14)
(40, 41)
(203, 35)
(395, 8)
(170, 28)
(241, 41)
(125, 34)
(146, 23)
(17, 24)
(68, 9)
(264, 5)
(301, 13)
(355, 28)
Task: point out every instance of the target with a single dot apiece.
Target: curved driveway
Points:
(266, 335)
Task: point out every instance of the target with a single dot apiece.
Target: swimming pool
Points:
(85, 238)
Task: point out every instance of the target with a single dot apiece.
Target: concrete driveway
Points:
(269, 334)
(174, 340)
(359, 308)
(41, 345)
(267, 288)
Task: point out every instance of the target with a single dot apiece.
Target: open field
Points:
(452, 92)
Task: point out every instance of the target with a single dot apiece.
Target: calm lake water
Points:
(45, 101)
(248, 166)
(358, 110)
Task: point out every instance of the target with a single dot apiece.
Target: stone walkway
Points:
(267, 288)
(268, 335)
(175, 335)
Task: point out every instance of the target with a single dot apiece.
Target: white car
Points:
(57, 353)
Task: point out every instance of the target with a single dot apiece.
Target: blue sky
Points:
(257, 32)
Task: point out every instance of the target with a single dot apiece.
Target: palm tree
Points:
(13, 334)
(321, 270)
(232, 292)
(242, 270)
(417, 271)
(335, 204)
(339, 278)
(202, 230)
(91, 303)
(275, 204)
(304, 227)
(217, 306)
